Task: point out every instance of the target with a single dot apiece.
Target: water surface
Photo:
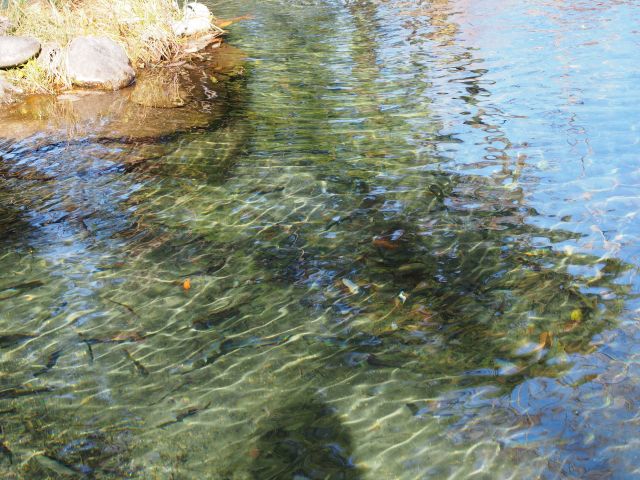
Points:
(410, 238)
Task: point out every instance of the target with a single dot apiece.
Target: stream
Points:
(402, 244)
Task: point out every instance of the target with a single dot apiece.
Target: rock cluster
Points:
(91, 61)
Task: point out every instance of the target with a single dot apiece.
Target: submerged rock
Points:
(159, 88)
(196, 19)
(15, 51)
(98, 62)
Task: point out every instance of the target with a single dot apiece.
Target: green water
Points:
(409, 233)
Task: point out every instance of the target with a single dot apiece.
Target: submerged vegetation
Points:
(348, 261)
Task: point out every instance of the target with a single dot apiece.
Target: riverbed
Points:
(401, 244)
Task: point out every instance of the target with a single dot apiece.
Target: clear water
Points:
(410, 232)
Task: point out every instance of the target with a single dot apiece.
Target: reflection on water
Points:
(303, 439)
(402, 245)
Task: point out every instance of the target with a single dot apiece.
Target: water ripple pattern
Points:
(407, 250)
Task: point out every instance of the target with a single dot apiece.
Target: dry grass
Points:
(142, 27)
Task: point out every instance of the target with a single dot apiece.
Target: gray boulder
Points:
(98, 62)
(15, 51)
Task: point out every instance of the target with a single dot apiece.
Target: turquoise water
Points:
(402, 245)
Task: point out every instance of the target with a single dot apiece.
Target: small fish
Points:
(376, 362)
(11, 339)
(24, 286)
(127, 337)
(122, 337)
(142, 370)
(216, 318)
(189, 412)
(56, 466)
(89, 351)
(125, 306)
(412, 267)
(186, 284)
(413, 408)
(17, 392)
(51, 362)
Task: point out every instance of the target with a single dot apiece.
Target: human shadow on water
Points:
(303, 439)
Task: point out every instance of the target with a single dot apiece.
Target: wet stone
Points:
(98, 62)
(15, 51)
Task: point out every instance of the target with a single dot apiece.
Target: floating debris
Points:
(353, 287)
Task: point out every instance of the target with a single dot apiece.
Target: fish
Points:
(51, 362)
(16, 392)
(189, 412)
(126, 307)
(89, 351)
(11, 339)
(121, 337)
(142, 370)
(413, 408)
(24, 286)
(231, 345)
(216, 318)
(376, 362)
(56, 466)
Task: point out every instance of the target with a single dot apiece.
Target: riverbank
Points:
(50, 47)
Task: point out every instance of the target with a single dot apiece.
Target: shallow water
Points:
(410, 238)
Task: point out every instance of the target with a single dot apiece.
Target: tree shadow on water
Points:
(304, 440)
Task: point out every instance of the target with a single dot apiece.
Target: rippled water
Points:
(403, 245)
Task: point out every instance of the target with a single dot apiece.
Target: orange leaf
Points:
(545, 339)
(386, 244)
(254, 453)
(225, 22)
